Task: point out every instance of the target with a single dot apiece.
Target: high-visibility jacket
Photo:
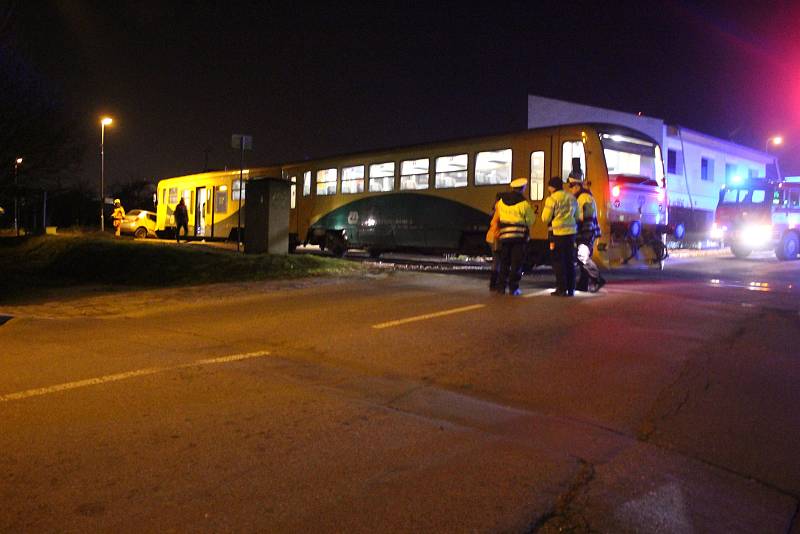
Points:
(118, 215)
(561, 212)
(515, 216)
(587, 212)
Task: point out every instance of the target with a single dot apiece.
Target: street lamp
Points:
(776, 140)
(17, 163)
(105, 121)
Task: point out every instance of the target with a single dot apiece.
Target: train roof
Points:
(606, 127)
(252, 171)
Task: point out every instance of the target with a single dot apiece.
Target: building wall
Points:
(693, 199)
(544, 112)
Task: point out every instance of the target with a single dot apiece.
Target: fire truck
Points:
(759, 214)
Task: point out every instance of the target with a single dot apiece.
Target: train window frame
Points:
(173, 195)
(509, 164)
(350, 180)
(306, 183)
(323, 187)
(293, 192)
(449, 174)
(235, 190)
(536, 189)
(415, 176)
(221, 199)
(383, 179)
(566, 162)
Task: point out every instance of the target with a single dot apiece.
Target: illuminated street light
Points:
(105, 121)
(776, 140)
(17, 163)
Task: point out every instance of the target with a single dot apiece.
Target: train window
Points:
(451, 171)
(173, 195)
(235, 190)
(493, 167)
(795, 203)
(326, 181)
(537, 175)
(572, 155)
(414, 174)
(353, 179)
(381, 177)
(221, 199)
(306, 183)
(164, 196)
(293, 193)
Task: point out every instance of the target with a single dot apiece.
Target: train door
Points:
(540, 159)
(200, 212)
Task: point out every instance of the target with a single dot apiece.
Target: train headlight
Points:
(756, 235)
(718, 231)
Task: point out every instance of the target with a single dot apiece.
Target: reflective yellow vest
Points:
(561, 211)
(515, 219)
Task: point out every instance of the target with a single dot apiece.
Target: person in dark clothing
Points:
(588, 229)
(181, 221)
(492, 238)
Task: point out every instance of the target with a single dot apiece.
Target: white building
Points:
(697, 165)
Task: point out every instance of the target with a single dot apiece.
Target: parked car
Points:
(140, 223)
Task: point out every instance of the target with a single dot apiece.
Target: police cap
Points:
(519, 182)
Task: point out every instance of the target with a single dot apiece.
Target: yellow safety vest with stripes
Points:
(515, 216)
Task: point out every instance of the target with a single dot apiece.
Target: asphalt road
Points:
(394, 401)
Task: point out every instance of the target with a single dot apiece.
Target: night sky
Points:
(309, 80)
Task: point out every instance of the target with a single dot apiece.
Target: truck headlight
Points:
(756, 235)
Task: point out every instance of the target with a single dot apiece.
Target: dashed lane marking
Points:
(398, 322)
(124, 376)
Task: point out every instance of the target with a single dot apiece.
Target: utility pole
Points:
(17, 163)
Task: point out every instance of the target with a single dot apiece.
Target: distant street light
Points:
(17, 163)
(775, 140)
(105, 121)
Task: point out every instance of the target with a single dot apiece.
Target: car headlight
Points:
(756, 234)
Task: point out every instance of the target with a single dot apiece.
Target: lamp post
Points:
(17, 163)
(105, 121)
(776, 140)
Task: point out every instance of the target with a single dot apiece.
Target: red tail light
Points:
(615, 191)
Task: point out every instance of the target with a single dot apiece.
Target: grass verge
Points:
(30, 265)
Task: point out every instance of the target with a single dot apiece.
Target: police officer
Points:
(117, 216)
(588, 229)
(560, 212)
(514, 220)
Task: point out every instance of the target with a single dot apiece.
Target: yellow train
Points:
(438, 197)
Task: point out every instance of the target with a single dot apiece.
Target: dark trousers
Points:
(511, 253)
(495, 275)
(564, 262)
(185, 226)
(588, 270)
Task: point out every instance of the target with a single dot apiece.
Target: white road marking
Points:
(124, 376)
(427, 316)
